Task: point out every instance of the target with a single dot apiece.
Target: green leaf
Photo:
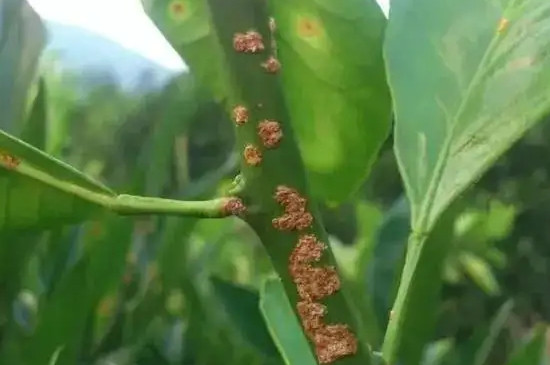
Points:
(37, 190)
(283, 325)
(64, 315)
(480, 271)
(242, 305)
(386, 263)
(466, 84)
(22, 38)
(500, 319)
(335, 86)
(533, 350)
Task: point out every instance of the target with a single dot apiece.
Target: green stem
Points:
(130, 204)
(137, 205)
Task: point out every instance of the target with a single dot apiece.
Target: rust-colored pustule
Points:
(252, 155)
(332, 341)
(271, 65)
(240, 115)
(9, 161)
(234, 206)
(312, 283)
(295, 216)
(270, 132)
(249, 42)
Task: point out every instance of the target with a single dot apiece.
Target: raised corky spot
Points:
(270, 133)
(249, 42)
(295, 216)
(312, 283)
(271, 65)
(234, 206)
(240, 115)
(9, 161)
(332, 342)
(252, 155)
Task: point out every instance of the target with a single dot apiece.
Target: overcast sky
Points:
(104, 16)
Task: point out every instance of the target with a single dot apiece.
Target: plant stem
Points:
(138, 205)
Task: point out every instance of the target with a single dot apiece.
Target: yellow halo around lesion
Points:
(178, 10)
(308, 27)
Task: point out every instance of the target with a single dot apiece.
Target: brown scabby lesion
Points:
(240, 115)
(295, 216)
(249, 42)
(270, 133)
(234, 206)
(252, 155)
(9, 161)
(313, 283)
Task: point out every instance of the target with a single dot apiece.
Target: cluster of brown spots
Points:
(234, 206)
(240, 115)
(295, 216)
(252, 155)
(249, 42)
(270, 133)
(271, 65)
(502, 25)
(9, 161)
(313, 283)
(333, 341)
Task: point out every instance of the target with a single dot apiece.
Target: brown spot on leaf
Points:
(252, 155)
(270, 133)
(234, 206)
(313, 283)
(295, 216)
(271, 65)
(332, 342)
(249, 42)
(240, 115)
(9, 161)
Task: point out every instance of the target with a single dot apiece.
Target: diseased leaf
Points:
(466, 85)
(37, 190)
(468, 79)
(335, 87)
(283, 325)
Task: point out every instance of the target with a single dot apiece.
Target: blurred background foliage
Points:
(160, 290)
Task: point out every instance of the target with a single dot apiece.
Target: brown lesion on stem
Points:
(9, 161)
(270, 133)
(234, 206)
(252, 155)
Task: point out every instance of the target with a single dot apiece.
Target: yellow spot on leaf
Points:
(309, 27)
(178, 10)
(502, 25)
